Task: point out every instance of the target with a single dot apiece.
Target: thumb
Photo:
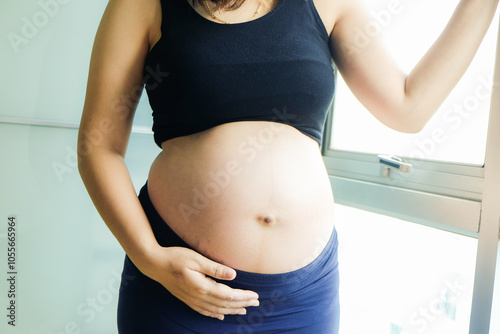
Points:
(217, 270)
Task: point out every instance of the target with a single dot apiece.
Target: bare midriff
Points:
(251, 195)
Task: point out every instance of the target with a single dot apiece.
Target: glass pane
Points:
(402, 278)
(457, 133)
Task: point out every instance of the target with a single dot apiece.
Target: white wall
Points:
(68, 262)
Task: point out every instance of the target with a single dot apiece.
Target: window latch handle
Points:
(394, 162)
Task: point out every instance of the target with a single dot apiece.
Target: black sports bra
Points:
(275, 68)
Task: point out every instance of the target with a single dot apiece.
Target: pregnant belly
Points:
(252, 195)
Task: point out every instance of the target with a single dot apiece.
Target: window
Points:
(405, 236)
(401, 277)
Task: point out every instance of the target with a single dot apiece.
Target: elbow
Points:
(410, 114)
(411, 119)
(93, 154)
(402, 114)
(403, 122)
(84, 149)
(82, 156)
(410, 127)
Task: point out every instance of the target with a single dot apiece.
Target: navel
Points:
(267, 219)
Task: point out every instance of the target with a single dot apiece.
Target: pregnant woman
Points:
(233, 231)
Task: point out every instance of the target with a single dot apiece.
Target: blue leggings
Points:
(303, 301)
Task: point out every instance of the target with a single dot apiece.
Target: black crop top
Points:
(275, 68)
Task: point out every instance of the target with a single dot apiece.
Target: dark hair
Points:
(225, 4)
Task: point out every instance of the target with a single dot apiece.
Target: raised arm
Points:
(405, 102)
(127, 31)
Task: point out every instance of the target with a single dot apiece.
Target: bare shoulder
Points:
(142, 16)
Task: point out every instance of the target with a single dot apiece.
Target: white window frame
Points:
(457, 198)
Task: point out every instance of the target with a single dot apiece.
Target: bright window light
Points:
(457, 132)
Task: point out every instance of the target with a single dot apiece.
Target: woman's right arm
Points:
(125, 35)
